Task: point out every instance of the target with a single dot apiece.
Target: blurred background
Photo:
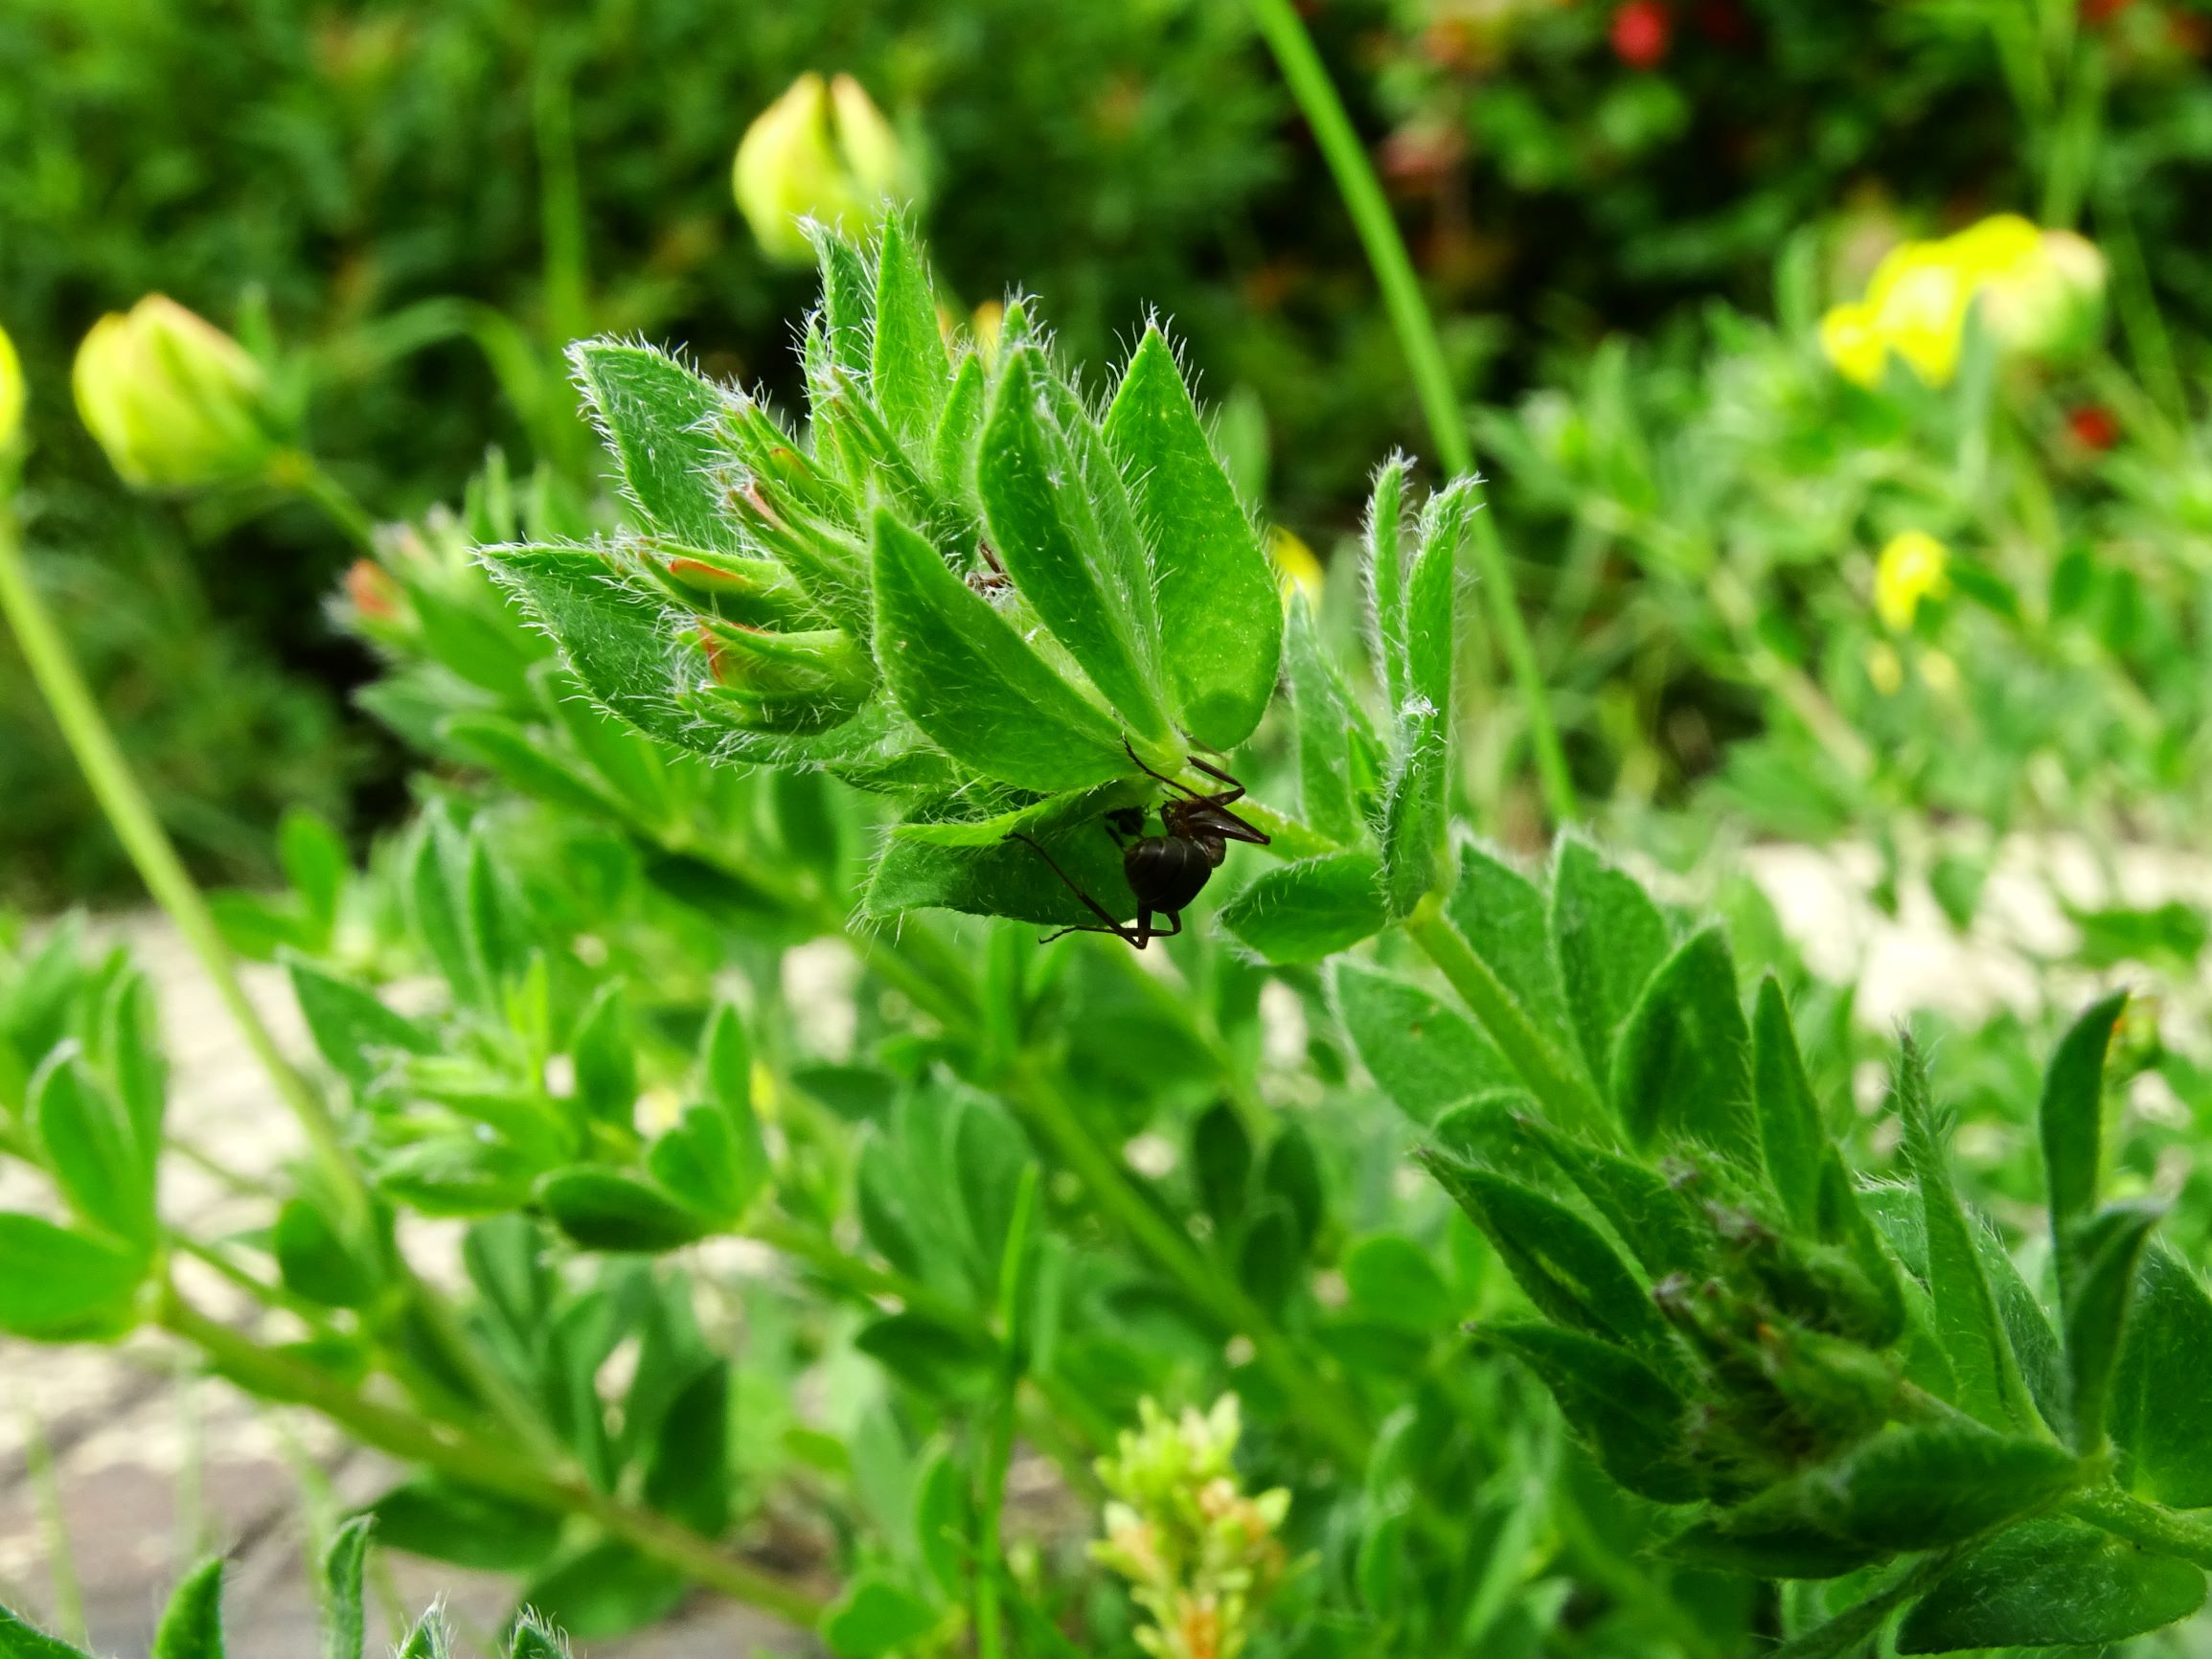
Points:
(412, 206)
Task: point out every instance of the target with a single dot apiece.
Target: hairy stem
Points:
(276, 1375)
(1563, 1091)
(1307, 78)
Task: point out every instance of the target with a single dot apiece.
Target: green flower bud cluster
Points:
(1201, 1556)
(962, 584)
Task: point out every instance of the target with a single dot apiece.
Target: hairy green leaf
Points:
(1609, 939)
(967, 678)
(659, 420)
(873, 1617)
(1313, 909)
(2162, 1395)
(1631, 1418)
(977, 865)
(1063, 548)
(1326, 799)
(2051, 1583)
(90, 1147)
(1501, 915)
(2072, 1116)
(351, 1028)
(1968, 1324)
(1566, 1265)
(433, 1517)
(192, 1625)
(910, 369)
(2097, 1285)
(1793, 1142)
(1682, 1063)
(1221, 621)
(1426, 1056)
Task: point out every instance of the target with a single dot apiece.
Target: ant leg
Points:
(1128, 934)
(1235, 791)
(1171, 783)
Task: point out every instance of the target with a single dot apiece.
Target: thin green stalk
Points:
(1309, 1391)
(2152, 1526)
(156, 856)
(1565, 1092)
(276, 1375)
(301, 473)
(151, 851)
(1307, 78)
(997, 1454)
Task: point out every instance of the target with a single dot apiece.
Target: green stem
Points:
(275, 1376)
(1306, 1387)
(998, 1453)
(152, 852)
(1565, 1092)
(138, 828)
(301, 473)
(1307, 78)
(2152, 1526)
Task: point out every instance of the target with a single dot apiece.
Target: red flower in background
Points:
(1640, 32)
(2093, 426)
(2097, 12)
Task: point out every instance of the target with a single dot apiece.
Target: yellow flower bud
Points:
(1296, 570)
(1912, 567)
(824, 151)
(11, 394)
(1851, 342)
(173, 400)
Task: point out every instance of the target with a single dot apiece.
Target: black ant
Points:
(1167, 871)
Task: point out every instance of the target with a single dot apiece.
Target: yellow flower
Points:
(173, 400)
(1912, 567)
(2039, 292)
(11, 394)
(1919, 297)
(1852, 341)
(822, 151)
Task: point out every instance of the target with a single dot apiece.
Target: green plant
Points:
(807, 1201)
(192, 1623)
